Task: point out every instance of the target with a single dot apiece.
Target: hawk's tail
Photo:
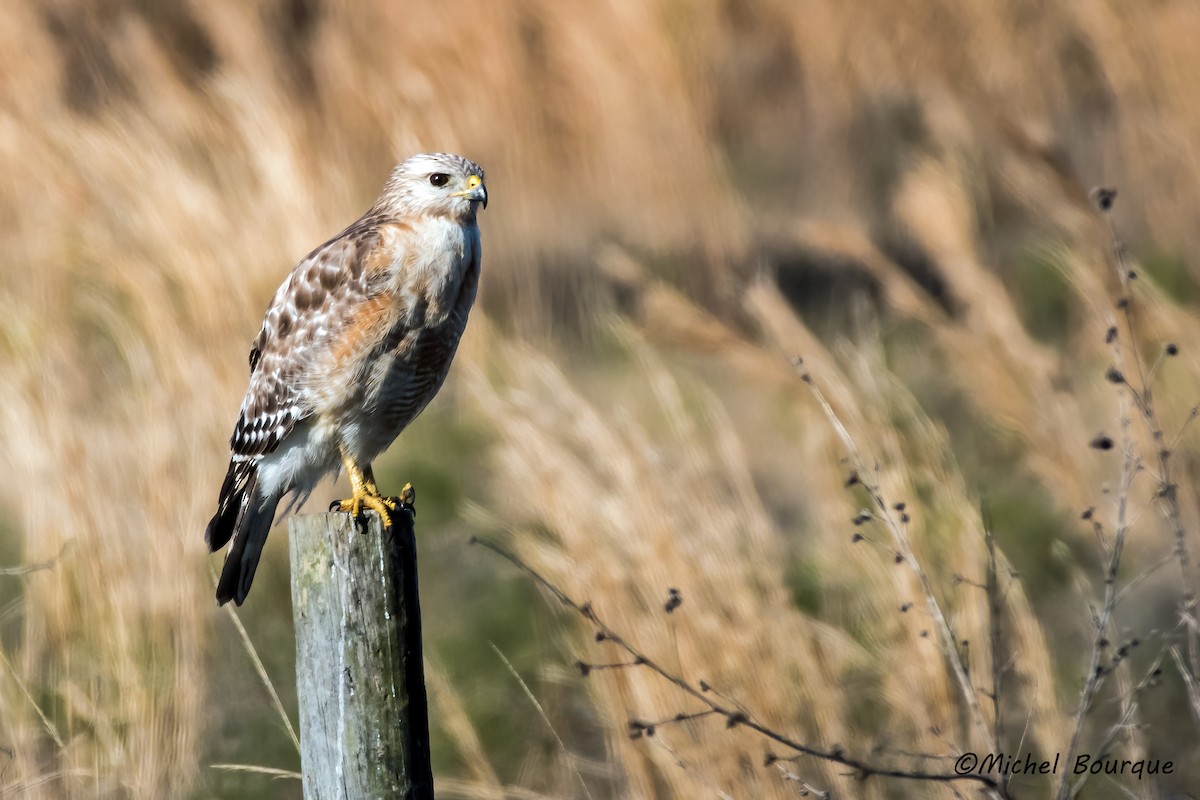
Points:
(245, 518)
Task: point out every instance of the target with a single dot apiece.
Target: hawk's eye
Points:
(439, 179)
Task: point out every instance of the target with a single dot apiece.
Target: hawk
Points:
(355, 344)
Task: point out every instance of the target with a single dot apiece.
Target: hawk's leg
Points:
(368, 480)
(365, 493)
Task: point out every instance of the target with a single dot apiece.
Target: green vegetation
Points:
(1044, 297)
(1173, 274)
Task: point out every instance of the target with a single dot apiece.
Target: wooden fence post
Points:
(364, 716)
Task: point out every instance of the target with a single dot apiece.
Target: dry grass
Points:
(686, 194)
(632, 511)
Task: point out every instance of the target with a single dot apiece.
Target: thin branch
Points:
(1096, 673)
(1141, 577)
(806, 788)
(1195, 412)
(637, 727)
(542, 713)
(1189, 681)
(263, 676)
(946, 638)
(1128, 711)
(733, 718)
(993, 595)
(41, 566)
(1167, 494)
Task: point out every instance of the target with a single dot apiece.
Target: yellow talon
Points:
(383, 506)
(368, 482)
(366, 494)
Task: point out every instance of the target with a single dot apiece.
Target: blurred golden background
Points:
(685, 194)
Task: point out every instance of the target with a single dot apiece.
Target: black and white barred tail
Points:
(245, 518)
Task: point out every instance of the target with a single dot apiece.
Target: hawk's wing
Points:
(309, 310)
(316, 303)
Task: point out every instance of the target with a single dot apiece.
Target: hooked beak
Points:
(476, 191)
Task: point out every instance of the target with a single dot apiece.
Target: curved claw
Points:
(408, 497)
(366, 495)
(383, 506)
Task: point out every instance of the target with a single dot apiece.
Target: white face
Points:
(438, 183)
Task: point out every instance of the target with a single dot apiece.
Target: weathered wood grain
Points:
(364, 716)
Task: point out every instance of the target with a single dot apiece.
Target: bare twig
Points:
(261, 669)
(1128, 712)
(1131, 396)
(1096, 673)
(1167, 495)
(1189, 681)
(994, 621)
(868, 479)
(1141, 577)
(542, 713)
(40, 566)
(733, 718)
(806, 788)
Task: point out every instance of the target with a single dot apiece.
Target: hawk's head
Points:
(441, 184)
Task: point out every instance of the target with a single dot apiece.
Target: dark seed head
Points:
(1103, 197)
(674, 600)
(1171, 349)
(1101, 442)
(1114, 375)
